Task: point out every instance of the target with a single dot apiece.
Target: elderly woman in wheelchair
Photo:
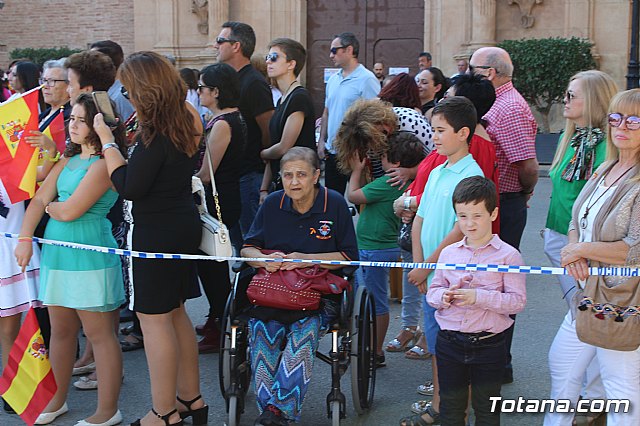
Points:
(303, 221)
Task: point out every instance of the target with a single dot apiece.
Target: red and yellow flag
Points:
(27, 382)
(18, 159)
(55, 131)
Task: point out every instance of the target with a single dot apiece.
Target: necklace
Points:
(288, 88)
(583, 219)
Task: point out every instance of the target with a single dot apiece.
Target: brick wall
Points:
(72, 23)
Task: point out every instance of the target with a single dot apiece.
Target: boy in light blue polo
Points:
(453, 121)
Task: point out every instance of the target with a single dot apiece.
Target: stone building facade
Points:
(452, 29)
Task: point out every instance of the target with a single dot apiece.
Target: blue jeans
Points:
(376, 279)
(250, 198)
(411, 296)
(462, 360)
(431, 327)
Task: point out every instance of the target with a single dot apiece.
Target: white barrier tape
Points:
(513, 269)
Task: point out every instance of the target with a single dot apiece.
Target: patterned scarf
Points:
(584, 142)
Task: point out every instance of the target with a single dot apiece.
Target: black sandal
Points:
(165, 418)
(198, 416)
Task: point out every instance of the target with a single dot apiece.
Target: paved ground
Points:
(396, 384)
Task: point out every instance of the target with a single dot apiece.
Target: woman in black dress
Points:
(293, 122)
(158, 181)
(225, 140)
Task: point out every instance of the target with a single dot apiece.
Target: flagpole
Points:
(22, 95)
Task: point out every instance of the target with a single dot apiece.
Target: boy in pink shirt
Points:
(473, 308)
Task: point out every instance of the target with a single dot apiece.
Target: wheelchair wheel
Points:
(363, 352)
(234, 370)
(335, 413)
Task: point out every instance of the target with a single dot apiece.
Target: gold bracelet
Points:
(53, 159)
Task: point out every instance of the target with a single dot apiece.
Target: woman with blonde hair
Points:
(158, 181)
(604, 232)
(580, 152)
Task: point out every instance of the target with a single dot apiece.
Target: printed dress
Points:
(18, 291)
(81, 279)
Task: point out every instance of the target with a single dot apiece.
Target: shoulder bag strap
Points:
(213, 182)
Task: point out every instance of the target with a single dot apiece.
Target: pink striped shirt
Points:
(513, 131)
(497, 294)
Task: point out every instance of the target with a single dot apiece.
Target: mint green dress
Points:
(81, 279)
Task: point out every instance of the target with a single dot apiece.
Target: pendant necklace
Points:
(583, 219)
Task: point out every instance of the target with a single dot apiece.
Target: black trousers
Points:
(334, 178)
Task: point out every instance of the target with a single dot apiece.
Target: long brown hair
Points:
(158, 94)
(90, 110)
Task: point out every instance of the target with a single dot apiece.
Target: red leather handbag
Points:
(295, 290)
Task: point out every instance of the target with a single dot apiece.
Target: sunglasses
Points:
(631, 121)
(272, 57)
(125, 92)
(482, 67)
(201, 86)
(220, 40)
(569, 96)
(334, 50)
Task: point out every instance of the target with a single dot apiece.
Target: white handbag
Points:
(215, 234)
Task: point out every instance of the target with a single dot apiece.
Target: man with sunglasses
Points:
(235, 45)
(512, 129)
(351, 83)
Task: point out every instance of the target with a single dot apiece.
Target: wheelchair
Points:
(353, 343)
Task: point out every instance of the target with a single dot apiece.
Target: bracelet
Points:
(25, 239)
(106, 146)
(46, 208)
(53, 159)
(264, 190)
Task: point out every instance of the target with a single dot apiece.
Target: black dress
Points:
(158, 181)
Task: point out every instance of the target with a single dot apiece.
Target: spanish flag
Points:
(18, 159)
(54, 129)
(27, 382)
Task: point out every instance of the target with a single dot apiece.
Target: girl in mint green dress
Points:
(79, 287)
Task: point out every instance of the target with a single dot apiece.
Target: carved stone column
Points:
(218, 15)
(166, 19)
(483, 24)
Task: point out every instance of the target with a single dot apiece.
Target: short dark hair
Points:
(244, 34)
(405, 148)
(225, 78)
(349, 39)
(94, 68)
(439, 78)
(478, 90)
(459, 112)
(476, 189)
(111, 49)
(425, 55)
(293, 50)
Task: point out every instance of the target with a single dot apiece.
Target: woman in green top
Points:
(580, 151)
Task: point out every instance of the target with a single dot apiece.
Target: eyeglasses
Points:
(201, 86)
(569, 96)
(631, 122)
(482, 67)
(334, 50)
(221, 40)
(272, 57)
(124, 92)
(299, 174)
(51, 82)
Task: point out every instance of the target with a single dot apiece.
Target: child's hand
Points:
(447, 298)
(463, 296)
(356, 163)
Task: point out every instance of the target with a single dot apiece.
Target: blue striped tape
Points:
(534, 270)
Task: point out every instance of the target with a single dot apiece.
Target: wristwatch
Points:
(407, 203)
(106, 146)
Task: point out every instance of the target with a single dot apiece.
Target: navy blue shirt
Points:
(327, 227)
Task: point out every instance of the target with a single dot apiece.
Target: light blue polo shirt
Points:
(342, 92)
(436, 206)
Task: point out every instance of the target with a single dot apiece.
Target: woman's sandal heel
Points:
(199, 416)
(164, 418)
(396, 345)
